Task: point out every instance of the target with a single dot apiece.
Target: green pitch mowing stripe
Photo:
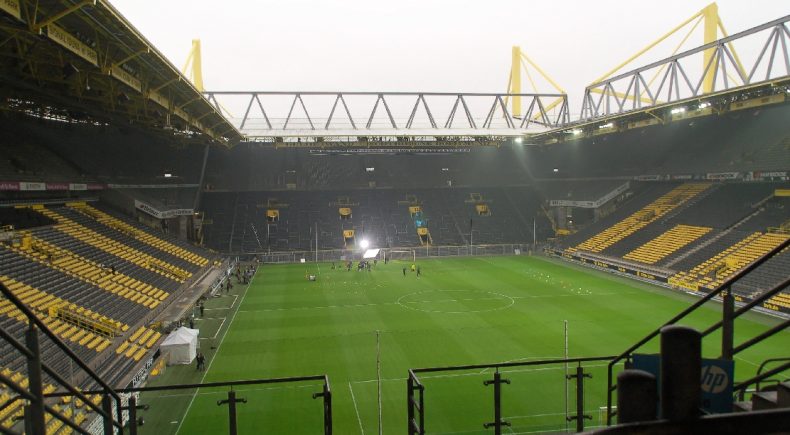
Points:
(460, 311)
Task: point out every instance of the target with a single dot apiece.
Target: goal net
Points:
(402, 254)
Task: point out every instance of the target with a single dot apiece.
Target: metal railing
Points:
(232, 400)
(416, 402)
(34, 421)
(729, 314)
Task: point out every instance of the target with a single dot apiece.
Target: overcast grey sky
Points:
(411, 45)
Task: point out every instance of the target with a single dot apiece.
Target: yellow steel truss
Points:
(521, 62)
(712, 25)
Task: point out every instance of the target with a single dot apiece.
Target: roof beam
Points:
(68, 11)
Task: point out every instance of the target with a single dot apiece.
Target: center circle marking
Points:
(415, 305)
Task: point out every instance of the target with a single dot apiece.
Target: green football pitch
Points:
(459, 311)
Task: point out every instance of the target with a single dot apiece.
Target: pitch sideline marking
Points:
(222, 340)
(353, 399)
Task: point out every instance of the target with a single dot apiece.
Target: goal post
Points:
(403, 255)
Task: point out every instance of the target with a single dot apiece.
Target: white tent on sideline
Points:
(182, 345)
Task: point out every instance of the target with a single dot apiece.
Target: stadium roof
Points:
(83, 61)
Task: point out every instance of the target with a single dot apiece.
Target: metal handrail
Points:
(325, 393)
(511, 364)
(713, 293)
(754, 302)
(203, 385)
(415, 384)
(761, 376)
(740, 388)
(34, 320)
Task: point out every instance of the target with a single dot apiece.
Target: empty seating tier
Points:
(642, 218)
(715, 270)
(667, 243)
(131, 231)
(115, 247)
(101, 276)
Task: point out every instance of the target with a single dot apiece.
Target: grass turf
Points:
(460, 311)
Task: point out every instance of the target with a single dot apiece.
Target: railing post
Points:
(35, 384)
(498, 422)
(637, 396)
(132, 415)
(231, 402)
(326, 394)
(409, 404)
(106, 405)
(681, 363)
(412, 385)
(580, 416)
(727, 324)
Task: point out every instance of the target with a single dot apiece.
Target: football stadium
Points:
(178, 257)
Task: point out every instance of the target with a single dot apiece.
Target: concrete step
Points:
(742, 407)
(764, 400)
(783, 394)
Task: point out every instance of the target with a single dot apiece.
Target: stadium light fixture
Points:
(576, 131)
(364, 243)
(168, 175)
(519, 140)
(607, 125)
(556, 170)
(677, 110)
(704, 105)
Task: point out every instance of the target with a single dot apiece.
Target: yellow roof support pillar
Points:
(515, 80)
(193, 67)
(710, 15)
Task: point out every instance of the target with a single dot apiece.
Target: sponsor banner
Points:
(28, 185)
(604, 265)
(162, 214)
(722, 175)
(649, 177)
(124, 77)
(716, 380)
(773, 175)
(591, 204)
(9, 185)
(12, 7)
(566, 203)
(41, 186)
(57, 186)
(149, 186)
(64, 38)
(683, 177)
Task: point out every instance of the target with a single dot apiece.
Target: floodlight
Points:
(519, 140)
(364, 243)
(677, 110)
(168, 175)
